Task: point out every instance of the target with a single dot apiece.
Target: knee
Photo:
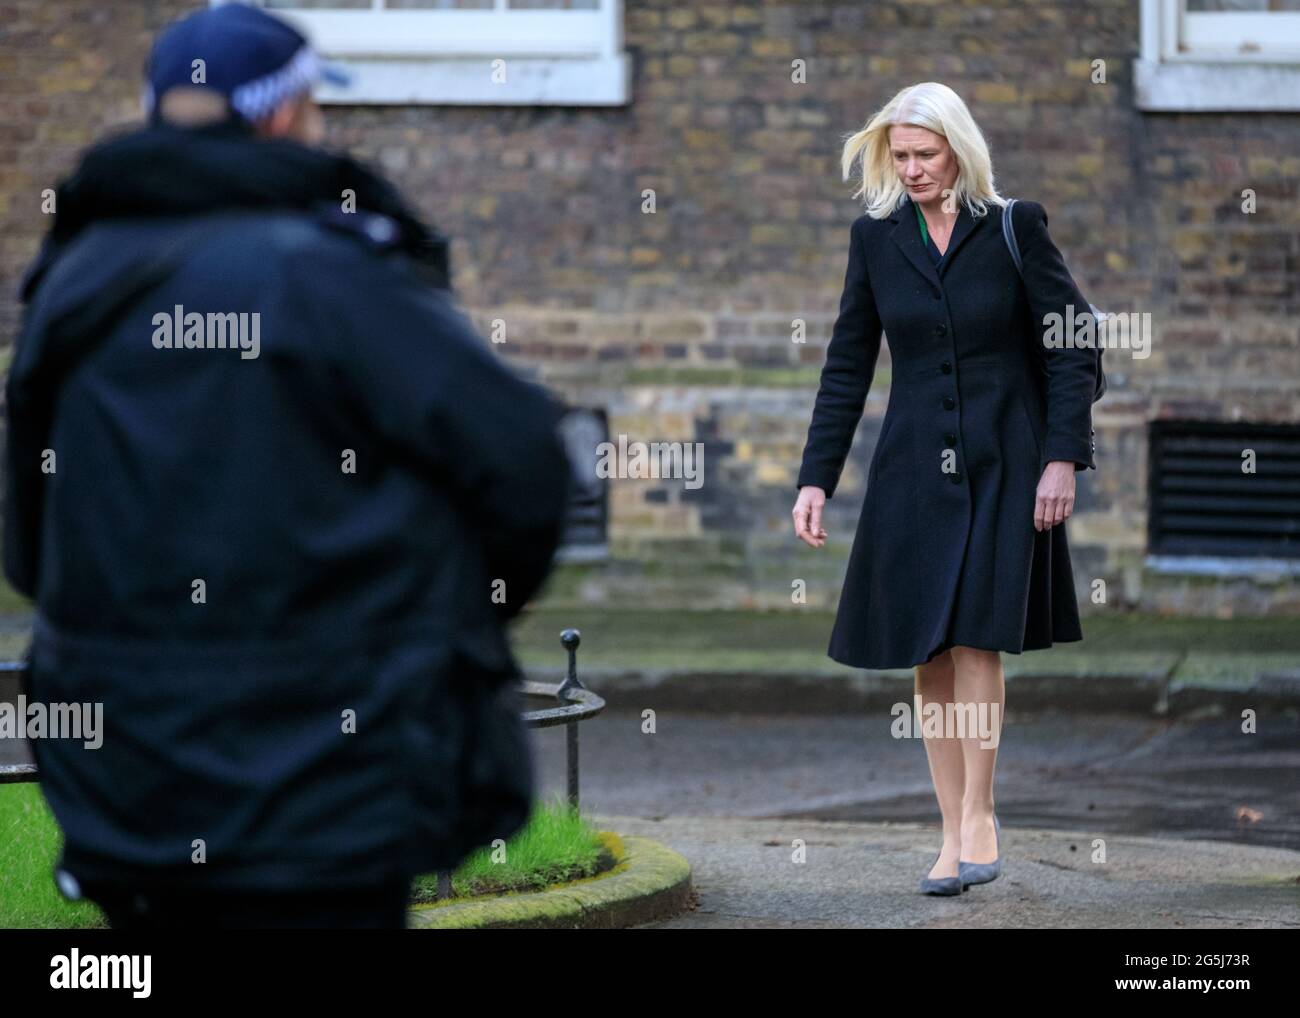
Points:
(938, 667)
(975, 654)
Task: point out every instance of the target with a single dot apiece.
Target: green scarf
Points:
(920, 218)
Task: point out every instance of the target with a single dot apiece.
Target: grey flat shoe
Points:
(982, 872)
(941, 885)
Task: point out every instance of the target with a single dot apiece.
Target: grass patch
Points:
(556, 846)
(30, 842)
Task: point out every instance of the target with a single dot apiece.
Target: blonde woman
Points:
(960, 551)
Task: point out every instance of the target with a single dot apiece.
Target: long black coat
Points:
(946, 553)
(349, 496)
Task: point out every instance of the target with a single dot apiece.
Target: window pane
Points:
(554, 5)
(439, 5)
(1204, 6)
(317, 5)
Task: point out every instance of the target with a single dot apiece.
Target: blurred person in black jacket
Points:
(275, 501)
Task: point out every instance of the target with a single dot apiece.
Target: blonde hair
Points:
(935, 107)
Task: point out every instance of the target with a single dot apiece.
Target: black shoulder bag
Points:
(1009, 233)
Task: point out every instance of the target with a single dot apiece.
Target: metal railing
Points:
(11, 774)
(576, 703)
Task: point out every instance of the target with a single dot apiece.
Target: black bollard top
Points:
(570, 638)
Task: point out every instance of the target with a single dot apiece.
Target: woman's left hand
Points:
(1055, 499)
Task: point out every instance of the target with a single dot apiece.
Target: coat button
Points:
(948, 403)
(946, 368)
(940, 329)
(955, 478)
(950, 440)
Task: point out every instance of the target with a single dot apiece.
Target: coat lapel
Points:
(907, 235)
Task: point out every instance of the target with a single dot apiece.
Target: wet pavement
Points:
(812, 874)
(1201, 779)
(804, 822)
(1185, 779)
(1108, 822)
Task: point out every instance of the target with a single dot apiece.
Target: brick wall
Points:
(680, 322)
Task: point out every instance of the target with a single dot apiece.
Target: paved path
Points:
(865, 875)
(1184, 779)
(1201, 823)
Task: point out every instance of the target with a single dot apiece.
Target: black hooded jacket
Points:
(285, 568)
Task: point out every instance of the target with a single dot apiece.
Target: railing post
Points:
(570, 638)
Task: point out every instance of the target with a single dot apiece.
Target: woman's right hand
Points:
(808, 516)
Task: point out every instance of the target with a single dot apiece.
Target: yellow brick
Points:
(1262, 166)
(767, 233)
(771, 47)
(1225, 265)
(631, 521)
(1188, 245)
(702, 139)
(996, 92)
(679, 520)
(666, 428)
(1090, 165)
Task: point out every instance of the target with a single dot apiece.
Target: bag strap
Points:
(1009, 234)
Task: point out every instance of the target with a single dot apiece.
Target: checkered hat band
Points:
(255, 99)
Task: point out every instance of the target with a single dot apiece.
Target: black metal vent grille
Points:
(1203, 503)
(585, 525)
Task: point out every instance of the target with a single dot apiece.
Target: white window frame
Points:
(1210, 61)
(549, 57)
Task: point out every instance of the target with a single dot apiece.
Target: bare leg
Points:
(979, 679)
(934, 684)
